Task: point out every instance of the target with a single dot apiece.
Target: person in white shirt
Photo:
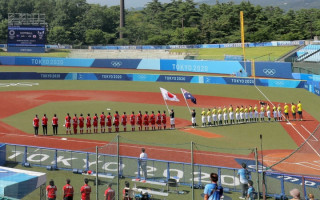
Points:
(143, 163)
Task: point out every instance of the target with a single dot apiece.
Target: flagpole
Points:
(185, 100)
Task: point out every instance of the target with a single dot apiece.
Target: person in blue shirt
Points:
(244, 175)
(212, 191)
(251, 190)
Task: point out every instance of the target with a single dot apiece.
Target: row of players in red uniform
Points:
(159, 119)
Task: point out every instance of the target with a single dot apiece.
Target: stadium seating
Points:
(125, 54)
(310, 53)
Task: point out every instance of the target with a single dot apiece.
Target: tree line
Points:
(179, 22)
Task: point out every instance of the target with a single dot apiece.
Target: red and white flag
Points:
(168, 96)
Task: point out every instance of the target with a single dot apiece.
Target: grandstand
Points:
(310, 53)
(126, 54)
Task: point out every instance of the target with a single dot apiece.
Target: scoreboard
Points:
(26, 36)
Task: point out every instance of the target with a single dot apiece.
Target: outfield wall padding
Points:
(262, 69)
(2, 154)
(284, 83)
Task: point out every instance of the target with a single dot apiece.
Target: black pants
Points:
(244, 188)
(36, 130)
(44, 128)
(55, 129)
(67, 198)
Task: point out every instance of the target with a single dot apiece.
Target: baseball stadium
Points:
(144, 120)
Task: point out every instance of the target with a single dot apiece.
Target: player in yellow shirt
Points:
(219, 116)
(286, 111)
(275, 112)
(300, 110)
(231, 115)
(209, 117)
(250, 113)
(246, 114)
(293, 110)
(242, 114)
(262, 113)
(256, 113)
(203, 117)
(214, 116)
(238, 115)
(268, 112)
(279, 113)
(225, 115)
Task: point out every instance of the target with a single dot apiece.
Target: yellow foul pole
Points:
(242, 40)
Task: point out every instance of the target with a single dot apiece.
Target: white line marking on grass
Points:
(309, 133)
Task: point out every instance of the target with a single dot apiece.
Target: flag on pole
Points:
(168, 96)
(187, 95)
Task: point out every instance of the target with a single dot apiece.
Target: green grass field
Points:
(60, 53)
(257, 53)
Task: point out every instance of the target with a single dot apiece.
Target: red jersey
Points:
(158, 119)
(81, 122)
(85, 192)
(109, 120)
(95, 121)
(124, 119)
(67, 119)
(116, 119)
(164, 118)
(55, 121)
(75, 121)
(132, 119)
(88, 121)
(146, 119)
(44, 120)
(51, 191)
(152, 119)
(109, 194)
(139, 118)
(36, 122)
(68, 190)
(102, 119)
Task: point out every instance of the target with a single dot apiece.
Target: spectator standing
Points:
(45, 124)
(36, 125)
(109, 194)
(55, 124)
(68, 191)
(213, 191)
(143, 163)
(244, 177)
(311, 196)
(51, 190)
(251, 190)
(85, 190)
(127, 192)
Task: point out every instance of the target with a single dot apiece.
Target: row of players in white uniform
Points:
(224, 116)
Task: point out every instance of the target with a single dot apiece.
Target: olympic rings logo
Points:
(116, 63)
(22, 84)
(269, 72)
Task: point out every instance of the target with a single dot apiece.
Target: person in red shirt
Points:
(51, 190)
(116, 121)
(75, 124)
(109, 122)
(109, 194)
(85, 190)
(146, 121)
(132, 121)
(45, 124)
(153, 121)
(81, 123)
(68, 123)
(103, 122)
(36, 125)
(139, 120)
(158, 120)
(164, 119)
(124, 121)
(88, 124)
(55, 124)
(95, 123)
(67, 191)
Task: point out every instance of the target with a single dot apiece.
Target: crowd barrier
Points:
(262, 69)
(158, 170)
(283, 83)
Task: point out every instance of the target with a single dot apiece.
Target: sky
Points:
(128, 3)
